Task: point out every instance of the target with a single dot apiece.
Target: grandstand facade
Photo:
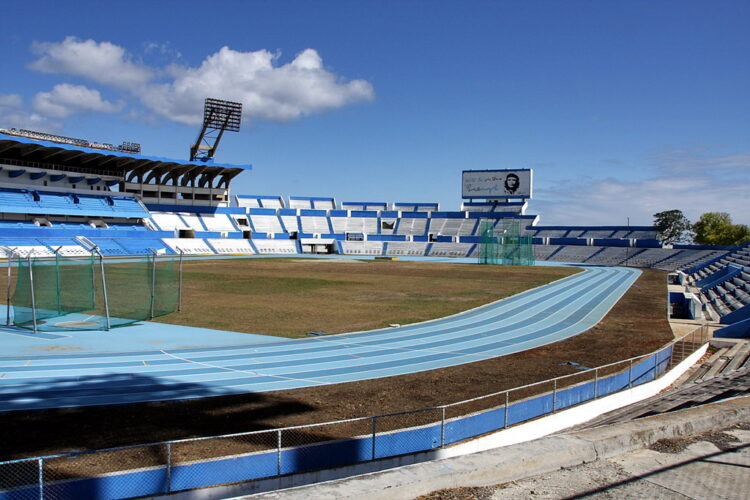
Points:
(70, 198)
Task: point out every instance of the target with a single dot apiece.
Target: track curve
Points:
(546, 314)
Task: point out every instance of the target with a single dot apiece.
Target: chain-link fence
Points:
(197, 463)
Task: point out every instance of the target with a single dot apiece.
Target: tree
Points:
(672, 227)
(716, 228)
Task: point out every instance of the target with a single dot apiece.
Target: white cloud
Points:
(267, 91)
(610, 202)
(699, 159)
(101, 62)
(695, 180)
(277, 93)
(65, 99)
(10, 101)
(14, 115)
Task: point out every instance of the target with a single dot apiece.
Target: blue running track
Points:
(91, 377)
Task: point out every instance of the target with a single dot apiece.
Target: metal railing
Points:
(184, 464)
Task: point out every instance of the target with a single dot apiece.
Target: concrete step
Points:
(739, 357)
(686, 396)
(715, 363)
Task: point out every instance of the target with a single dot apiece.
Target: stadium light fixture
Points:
(218, 116)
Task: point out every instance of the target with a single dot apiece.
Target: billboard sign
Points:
(497, 183)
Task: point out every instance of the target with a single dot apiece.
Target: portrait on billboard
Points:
(512, 182)
(497, 183)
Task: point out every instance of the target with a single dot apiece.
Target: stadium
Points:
(165, 334)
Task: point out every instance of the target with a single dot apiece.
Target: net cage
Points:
(504, 243)
(87, 293)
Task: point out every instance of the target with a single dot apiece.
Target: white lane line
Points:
(248, 372)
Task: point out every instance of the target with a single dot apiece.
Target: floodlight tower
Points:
(218, 116)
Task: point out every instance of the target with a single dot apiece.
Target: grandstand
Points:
(723, 287)
(69, 198)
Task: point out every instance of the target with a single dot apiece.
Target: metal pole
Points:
(596, 382)
(278, 452)
(57, 278)
(33, 299)
(153, 283)
(505, 417)
(40, 464)
(374, 431)
(442, 427)
(7, 321)
(554, 396)
(179, 290)
(630, 374)
(104, 288)
(169, 467)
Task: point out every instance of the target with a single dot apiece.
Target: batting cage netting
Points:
(85, 293)
(503, 242)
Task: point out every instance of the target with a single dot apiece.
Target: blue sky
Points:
(623, 109)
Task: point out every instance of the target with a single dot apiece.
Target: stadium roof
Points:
(24, 151)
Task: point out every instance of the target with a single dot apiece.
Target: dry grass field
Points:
(289, 297)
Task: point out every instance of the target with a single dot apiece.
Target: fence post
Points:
(596, 382)
(693, 347)
(278, 452)
(505, 417)
(442, 426)
(58, 288)
(630, 374)
(104, 287)
(179, 289)
(40, 474)
(10, 277)
(169, 467)
(33, 298)
(153, 283)
(374, 431)
(554, 396)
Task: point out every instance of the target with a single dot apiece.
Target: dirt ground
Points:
(636, 325)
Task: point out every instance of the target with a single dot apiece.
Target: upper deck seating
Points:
(416, 207)
(412, 226)
(193, 221)
(358, 222)
(290, 220)
(248, 201)
(218, 222)
(312, 203)
(314, 221)
(168, 221)
(364, 205)
(265, 221)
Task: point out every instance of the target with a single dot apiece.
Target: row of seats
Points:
(723, 285)
(25, 201)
